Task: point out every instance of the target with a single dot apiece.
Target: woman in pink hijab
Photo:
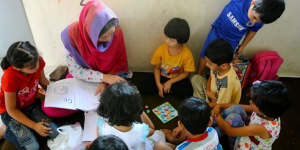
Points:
(95, 50)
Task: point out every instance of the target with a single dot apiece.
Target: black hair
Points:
(109, 142)
(121, 104)
(269, 10)
(194, 114)
(111, 23)
(178, 29)
(219, 52)
(271, 97)
(20, 54)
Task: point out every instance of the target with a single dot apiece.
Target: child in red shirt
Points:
(20, 111)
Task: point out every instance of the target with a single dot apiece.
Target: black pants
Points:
(147, 86)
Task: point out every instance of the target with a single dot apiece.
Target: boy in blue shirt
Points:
(241, 18)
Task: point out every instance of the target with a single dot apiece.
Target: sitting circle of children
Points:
(96, 53)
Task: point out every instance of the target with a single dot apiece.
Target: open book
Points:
(73, 94)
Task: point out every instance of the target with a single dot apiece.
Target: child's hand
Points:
(167, 86)
(100, 88)
(42, 128)
(160, 88)
(44, 83)
(88, 144)
(216, 111)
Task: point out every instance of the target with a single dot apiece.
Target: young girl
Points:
(269, 100)
(20, 111)
(120, 109)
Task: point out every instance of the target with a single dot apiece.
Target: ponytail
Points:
(19, 55)
(5, 63)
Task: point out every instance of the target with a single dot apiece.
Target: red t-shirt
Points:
(25, 86)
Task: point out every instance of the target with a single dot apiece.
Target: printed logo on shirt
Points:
(167, 70)
(26, 94)
(234, 21)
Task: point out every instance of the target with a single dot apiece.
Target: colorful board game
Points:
(165, 112)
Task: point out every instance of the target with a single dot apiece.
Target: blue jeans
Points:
(236, 117)
(20, 135)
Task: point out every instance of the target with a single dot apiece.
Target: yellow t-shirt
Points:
(172, 66)
(229, 87)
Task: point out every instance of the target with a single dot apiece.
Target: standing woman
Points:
(95, 50)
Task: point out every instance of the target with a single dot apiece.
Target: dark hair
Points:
(109, 142)
(20, 54)
(271, 97)
(178, 29)
(111, 23)
(194, 113)
(121, 104)
(219, 52)
(269, 10)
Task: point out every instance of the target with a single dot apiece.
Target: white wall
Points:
(143, 21)
(14, 25)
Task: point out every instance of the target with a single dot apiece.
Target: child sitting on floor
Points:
(173, 62)
(269, 100)
(223, 85)
(120, 109)
(194, 121)
(20, 110)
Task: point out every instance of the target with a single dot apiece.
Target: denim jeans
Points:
(236, 117)
(20, 135)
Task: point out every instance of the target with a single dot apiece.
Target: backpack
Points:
(264, 66)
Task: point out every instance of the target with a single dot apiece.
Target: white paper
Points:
(90, 126)
(72, 94)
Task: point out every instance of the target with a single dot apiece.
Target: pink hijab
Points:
(81, 40)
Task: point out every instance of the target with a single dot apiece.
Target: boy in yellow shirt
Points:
(223, 85)
(173, 61)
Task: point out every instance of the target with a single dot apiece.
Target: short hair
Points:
(219, 52)
(269, 10)
(109, 142)
(271, 97)
(194, 113)
(178, 29)
(121, 104)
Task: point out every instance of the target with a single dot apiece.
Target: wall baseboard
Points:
(288, 76)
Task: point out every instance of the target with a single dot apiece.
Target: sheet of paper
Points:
(72, 94)
(59, 94)
(90, 126)
(86, 99)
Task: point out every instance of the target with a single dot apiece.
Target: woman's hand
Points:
(100, 88)
(111, 79)
(42, 128)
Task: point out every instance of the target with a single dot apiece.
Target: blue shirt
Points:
(232, 22)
